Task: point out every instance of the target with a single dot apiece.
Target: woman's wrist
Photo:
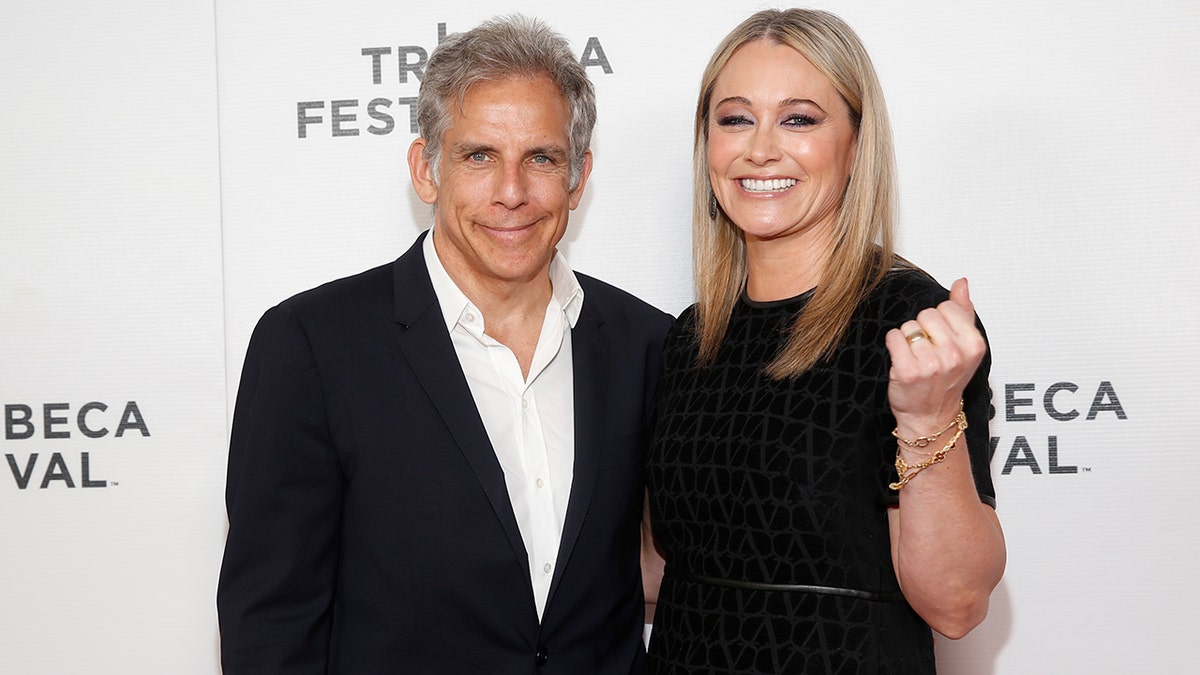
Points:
(918, 431)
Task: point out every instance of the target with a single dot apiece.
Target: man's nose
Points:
(511, 187)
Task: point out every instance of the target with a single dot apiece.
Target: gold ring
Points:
(917, 335)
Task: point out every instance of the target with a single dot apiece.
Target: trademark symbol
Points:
(1085, 469)
(113, 483)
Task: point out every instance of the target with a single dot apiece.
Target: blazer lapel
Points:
(590, 357)
(422, 337)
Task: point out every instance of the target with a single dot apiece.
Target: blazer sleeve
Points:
(283, 497)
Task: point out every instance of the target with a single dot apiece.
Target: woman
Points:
(818, 498)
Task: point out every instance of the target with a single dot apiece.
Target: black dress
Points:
(761, 482)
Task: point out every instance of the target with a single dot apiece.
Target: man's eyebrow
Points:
(555, 151)
(462, 149)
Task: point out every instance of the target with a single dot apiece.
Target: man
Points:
(435, 465)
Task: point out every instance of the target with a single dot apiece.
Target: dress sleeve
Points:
(977, 403)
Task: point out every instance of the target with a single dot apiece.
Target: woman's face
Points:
(780, 145)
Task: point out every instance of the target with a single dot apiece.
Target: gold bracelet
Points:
(905, 472)
(922, 441)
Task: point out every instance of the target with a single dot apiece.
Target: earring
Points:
(712, 206)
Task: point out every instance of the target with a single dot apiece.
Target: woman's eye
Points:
(799, 121)
(733, 120)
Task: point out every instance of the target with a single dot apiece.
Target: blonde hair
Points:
(861, 251)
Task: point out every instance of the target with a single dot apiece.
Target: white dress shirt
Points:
(530, 421)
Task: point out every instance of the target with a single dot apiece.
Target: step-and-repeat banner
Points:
(170, 170)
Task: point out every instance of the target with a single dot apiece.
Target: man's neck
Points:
(513, 310)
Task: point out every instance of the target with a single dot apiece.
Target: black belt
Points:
(885, 596)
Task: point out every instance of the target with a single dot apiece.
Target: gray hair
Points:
(500, 48)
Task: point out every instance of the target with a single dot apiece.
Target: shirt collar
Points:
(568, 294)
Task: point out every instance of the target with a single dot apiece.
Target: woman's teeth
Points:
(772, 185)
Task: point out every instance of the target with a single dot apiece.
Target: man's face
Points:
(504, 192)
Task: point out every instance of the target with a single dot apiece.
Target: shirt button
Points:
(546, 568)
(470, 316)
(540, 483)
(524, 404)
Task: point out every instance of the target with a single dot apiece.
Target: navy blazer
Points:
(370, 530)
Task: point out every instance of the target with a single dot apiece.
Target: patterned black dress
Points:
(756, 483)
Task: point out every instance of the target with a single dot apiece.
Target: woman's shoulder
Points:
(684, 326)
(908, 278)
(681, 338)
(688, 315)
(904, 291)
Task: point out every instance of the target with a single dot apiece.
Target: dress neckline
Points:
(773, 304)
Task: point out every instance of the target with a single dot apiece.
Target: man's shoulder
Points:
(375, 287)
(357, 290)
(327, 319)
(613, 302)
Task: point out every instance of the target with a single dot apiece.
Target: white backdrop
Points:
(156, 196)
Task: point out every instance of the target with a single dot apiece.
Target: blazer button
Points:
(542, 656)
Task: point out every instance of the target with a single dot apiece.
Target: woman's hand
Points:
(933, 358)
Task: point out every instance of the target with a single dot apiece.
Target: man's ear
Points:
(421, 172)
(577, 191)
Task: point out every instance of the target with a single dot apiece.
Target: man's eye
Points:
(541, 159)
(478, 156)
